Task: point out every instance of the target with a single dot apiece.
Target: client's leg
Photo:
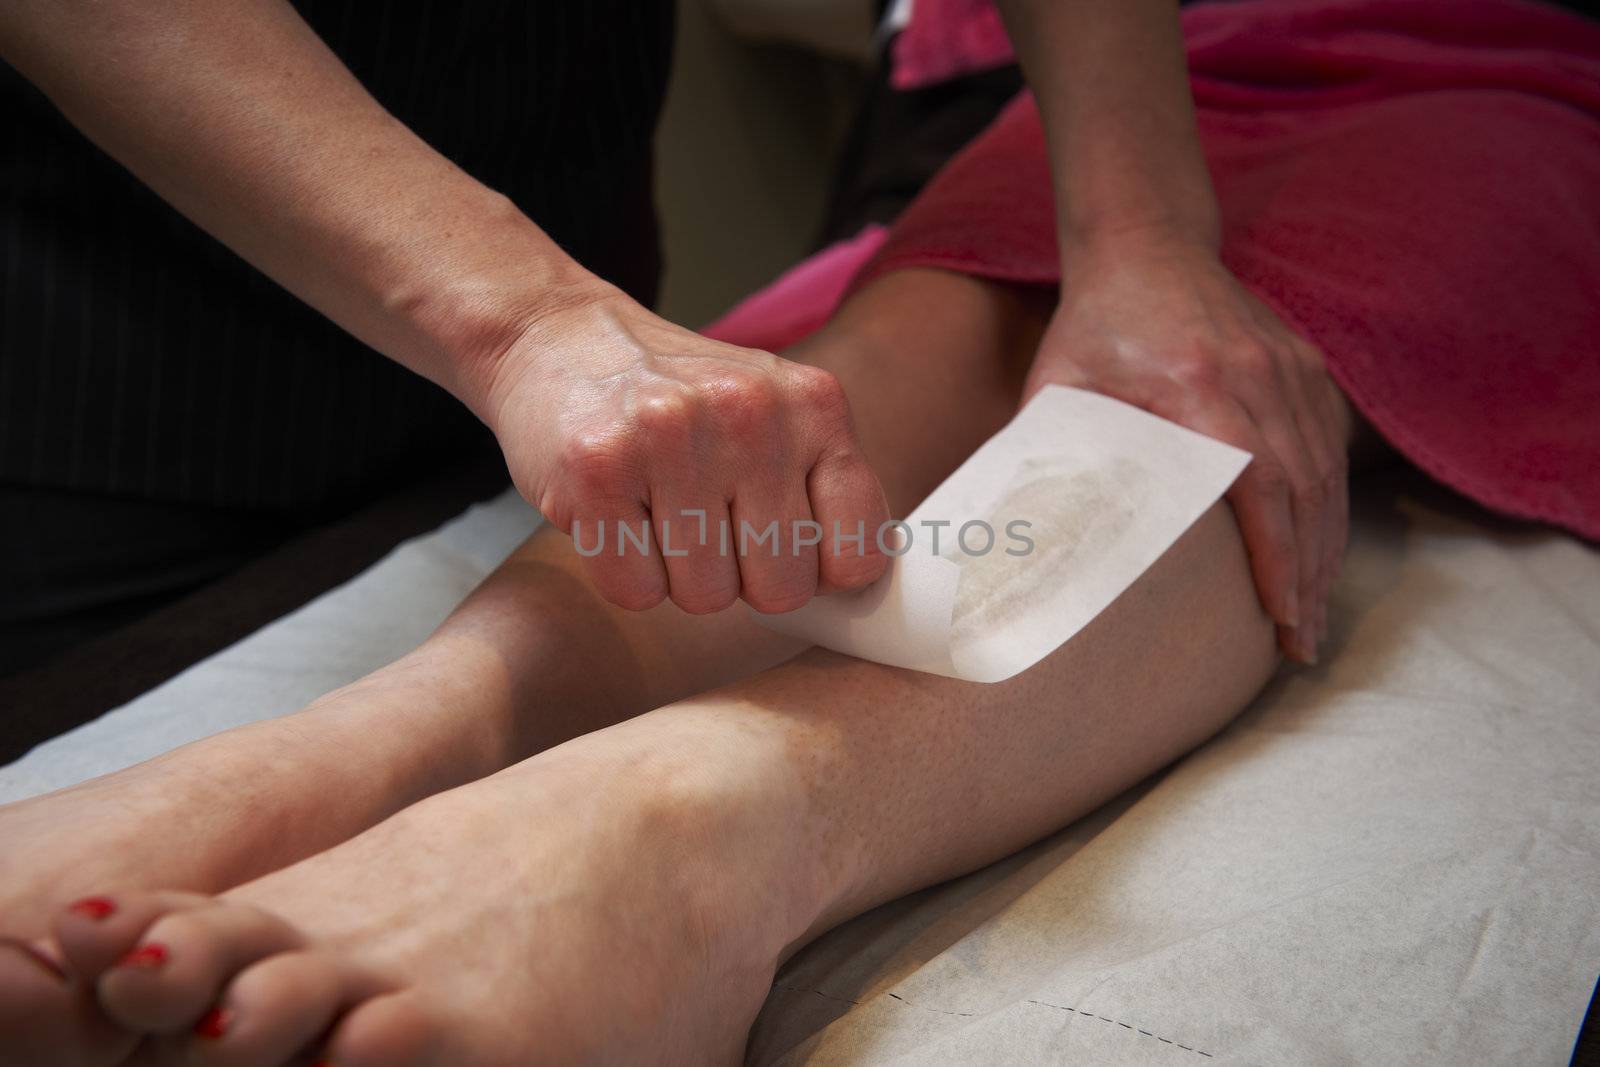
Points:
(626, 896)
(531, 659)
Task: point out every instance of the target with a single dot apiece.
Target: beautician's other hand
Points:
(608, 413)
(1158, 321)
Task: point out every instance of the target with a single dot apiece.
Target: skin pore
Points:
(558, 910)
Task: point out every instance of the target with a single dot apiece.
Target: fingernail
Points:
(93, 907)
(1292, 607)
(147, 956)
(214, 1023)
(1308, 650)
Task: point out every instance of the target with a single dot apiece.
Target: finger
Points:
(599, 497)
(1341, 525)
(844, 495)
(777, 569)
(1260, 499)
(1293, 430)
(1336, 522)
(848, 501)
(1294, 421)
(1291, 453)
(618, 546)
(701, 576)
(1336, 418)
(1322, 425)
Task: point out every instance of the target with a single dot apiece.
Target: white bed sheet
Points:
(1393, 858)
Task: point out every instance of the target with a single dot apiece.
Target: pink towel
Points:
(946, 39)
(1414, 184)
(801, 299)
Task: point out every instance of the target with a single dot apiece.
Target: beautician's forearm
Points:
(1113, 92)
(237, 114)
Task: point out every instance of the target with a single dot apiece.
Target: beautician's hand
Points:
(1159, 322)
(240, 117)
(609, 413)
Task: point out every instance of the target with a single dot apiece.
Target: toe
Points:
(273, 1010)
(47, 1020)
(168, 980)
(396, 1030)
(96, 932)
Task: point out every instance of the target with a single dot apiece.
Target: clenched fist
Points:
(669, 457)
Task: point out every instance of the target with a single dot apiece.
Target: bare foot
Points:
(624, 898)
(206, 817)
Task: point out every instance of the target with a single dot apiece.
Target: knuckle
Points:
(1270, 477)
(1308, 495)
(598, 465)
(852, 571)
(667, 416)
(1252, 356)
(1197, 371)
(777, 593)
(1330, 479)
(705, 600)
(743, 405)
(821, 390)
(635, 595)
(1187, 405)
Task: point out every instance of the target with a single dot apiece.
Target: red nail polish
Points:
(93, 907)
(152, 955)
(214, 1023)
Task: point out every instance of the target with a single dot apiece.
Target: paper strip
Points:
(1099, 487)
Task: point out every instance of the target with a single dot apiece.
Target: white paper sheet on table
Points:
(1391, 859)
(1104, 489)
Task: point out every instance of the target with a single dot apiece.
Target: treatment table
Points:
(1391, 858)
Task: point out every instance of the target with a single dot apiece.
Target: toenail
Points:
(92, 907)
(152, 955)
(214, 1023)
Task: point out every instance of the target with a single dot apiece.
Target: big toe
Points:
(163, 958)
(48, 1020)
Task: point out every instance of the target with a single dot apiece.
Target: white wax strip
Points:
(1105, 489)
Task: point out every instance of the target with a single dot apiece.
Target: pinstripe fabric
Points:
(139, 358)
